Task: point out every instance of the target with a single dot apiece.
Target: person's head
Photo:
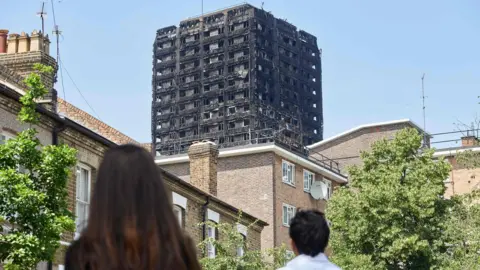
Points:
(131, 222)
(309, 232)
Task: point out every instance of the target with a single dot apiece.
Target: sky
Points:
(374, 55)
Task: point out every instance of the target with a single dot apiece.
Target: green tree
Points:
(392, 214)
(33, 195)
(227, 257)
(462, 233)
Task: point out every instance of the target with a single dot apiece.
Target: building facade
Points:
(462, 180)
(345, 148)
(235, 77)
(91, 138)
(265, 180)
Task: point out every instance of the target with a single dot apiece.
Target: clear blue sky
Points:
(374, 54)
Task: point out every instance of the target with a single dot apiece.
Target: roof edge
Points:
(262, 149)
(386, 123)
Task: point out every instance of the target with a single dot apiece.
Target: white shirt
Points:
(305, 262)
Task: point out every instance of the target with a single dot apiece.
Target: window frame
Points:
(241, 249)
(285, 175)
(211, 233)
(79, 167)
(328, 183)
(288, 207)
(307, 181)
(178, 211)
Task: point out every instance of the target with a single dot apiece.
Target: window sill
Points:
(286, 225)
(290, 184)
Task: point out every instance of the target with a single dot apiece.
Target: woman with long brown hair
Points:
(131, 222)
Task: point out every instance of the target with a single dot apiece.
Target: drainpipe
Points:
(204, 226)
(55, 132)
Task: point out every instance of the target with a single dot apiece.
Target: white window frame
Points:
(211, 233)
(243, 230)
(178, 211)
(308, 179)
(286, 168)
(79, 167)
(8, 136)
(288, 218)
(329, 188)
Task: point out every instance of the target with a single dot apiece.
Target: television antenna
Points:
(424, 113)
(43, 15)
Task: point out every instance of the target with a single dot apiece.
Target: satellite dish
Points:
(318, 190)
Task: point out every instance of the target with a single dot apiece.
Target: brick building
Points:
(461, 180)
(61, 122)
(265, 180)
(236, 76)
(345, 148)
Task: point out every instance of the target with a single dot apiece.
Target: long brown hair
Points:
(131, 222)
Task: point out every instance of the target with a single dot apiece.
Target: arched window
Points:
(212, 232)
(242, 229)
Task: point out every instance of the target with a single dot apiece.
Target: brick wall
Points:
(193, 214)
(89, 151)
(292, 195)
(461, 180)
(245, 182)
(254, 184)
(346, 150)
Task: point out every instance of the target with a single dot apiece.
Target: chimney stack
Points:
(12, 46)
(469, 141)
(203, 166)
(3, 40)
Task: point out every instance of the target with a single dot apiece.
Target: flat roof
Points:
(262, 148)
(453, 151)
(350, 131)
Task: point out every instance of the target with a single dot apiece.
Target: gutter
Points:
(204, 226)
(262, 149)
(55, 132)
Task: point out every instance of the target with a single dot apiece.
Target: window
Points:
(308, 178)
(241, 249)
(329, 188)
(82, 198)
(287, 214)
(288, 173)
(211, 232)
(178, 211)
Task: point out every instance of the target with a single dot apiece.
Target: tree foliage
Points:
(462, 233)
(33, 195)
(226, 251)
(393, 214)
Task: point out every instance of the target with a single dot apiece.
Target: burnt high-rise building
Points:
(236, 76)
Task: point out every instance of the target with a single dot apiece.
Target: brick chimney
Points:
(23, 51)
(469, 141)
(3, 40)
(203, 166)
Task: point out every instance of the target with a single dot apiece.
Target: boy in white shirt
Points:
(309, 235)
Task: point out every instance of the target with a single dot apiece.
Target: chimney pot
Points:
(469, 141)
(3, 40)
(203, 166)
(12, 46)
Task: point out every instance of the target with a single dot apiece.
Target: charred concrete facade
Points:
(235, 77)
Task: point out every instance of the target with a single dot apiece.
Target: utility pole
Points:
(424, 117)
(42, 14)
